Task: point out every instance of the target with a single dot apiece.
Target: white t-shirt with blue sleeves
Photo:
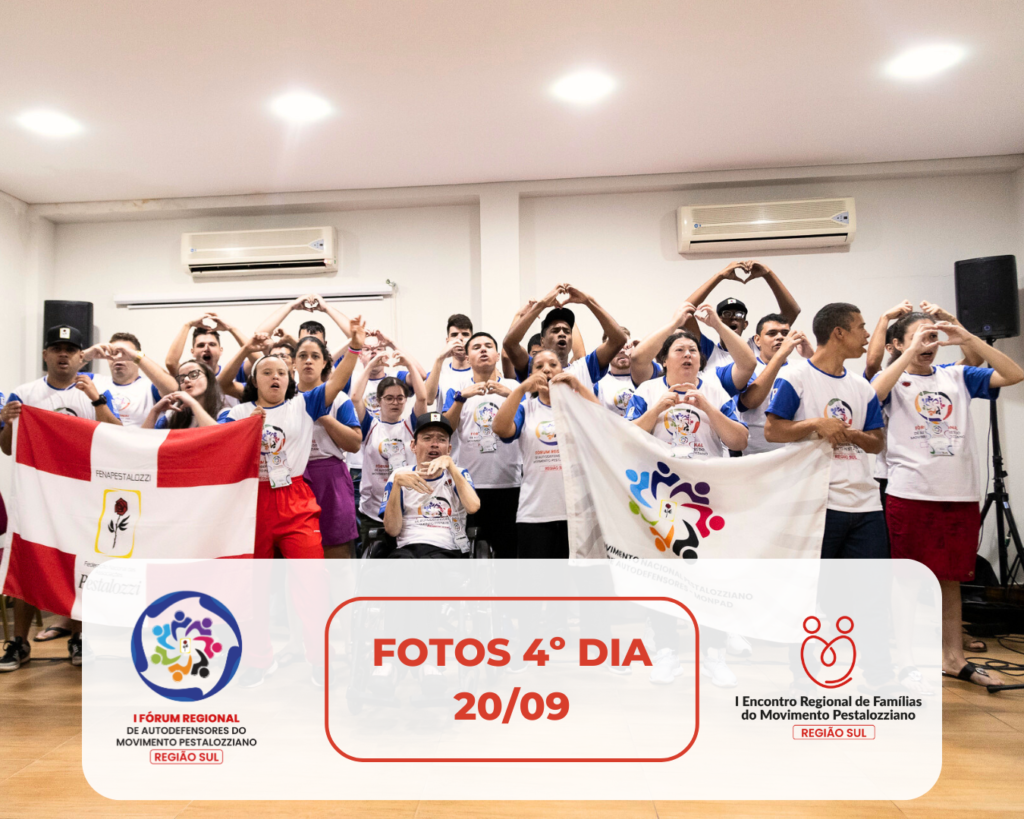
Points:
(70, 401)
(801, 392)
(287, 430)
(132, 401)
(542, 493)
(587, 369)
(495, 463)
(755, 418)
(386, 447)
(931, 452)
(323, 445)
(437, 518)
(685, 428)
(372, 406)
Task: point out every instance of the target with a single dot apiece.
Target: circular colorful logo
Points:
(933, 406)
(546, 433)
(186, 646)
(273, 440)
(838, 408)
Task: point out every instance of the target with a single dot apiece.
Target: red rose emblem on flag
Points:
(119, 525)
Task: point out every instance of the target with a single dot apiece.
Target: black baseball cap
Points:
(432, 419)
(730, 304)
(63, 334)
(558, 314)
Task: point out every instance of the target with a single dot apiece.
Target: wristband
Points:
(99, 402)
(138, 356)
(458, 398)
(354, 350)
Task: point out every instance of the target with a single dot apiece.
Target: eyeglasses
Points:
(195, 375)
(732, 314)
(393, 399)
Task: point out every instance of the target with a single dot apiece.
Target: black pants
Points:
(544, 541)
(496, 520)
(424, 550)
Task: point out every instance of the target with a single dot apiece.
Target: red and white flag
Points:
(85, 493)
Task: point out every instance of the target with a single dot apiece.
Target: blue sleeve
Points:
(161, 422)
(315, 406)
(729, 411)
(347, 389)
(888, 398)
(874, 415)
(110, 403)
(402, 375)
(597, 372)
(522, 375)
(387, 494)
(412, 422)
(347, 415)
(13, 397)
(364, 425)
(658, 369)
(724, 374)
(784, 402)
(637, 407)
(449, 399)
(240, 375)
(707, 346)
(978, 381)
(519, 421)
(225, 417)
(155, 392)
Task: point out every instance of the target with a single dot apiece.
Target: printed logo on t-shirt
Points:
(621, 398)
(273, 440)
(485, 413)
(66, 411)
(372, 403)
(436, 508)
(838, 408)
(545, 433)
(939, 436)
(121, 403)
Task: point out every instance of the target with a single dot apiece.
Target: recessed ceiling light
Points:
(301, 107)
(48, 123)
(584, 87)
(924, 61)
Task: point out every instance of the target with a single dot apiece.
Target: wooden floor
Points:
(41, 767)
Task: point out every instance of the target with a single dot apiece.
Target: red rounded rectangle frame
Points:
(327, 679)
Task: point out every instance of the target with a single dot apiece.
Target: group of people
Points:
(363, 439)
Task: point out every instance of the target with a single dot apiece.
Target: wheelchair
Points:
(381, 544)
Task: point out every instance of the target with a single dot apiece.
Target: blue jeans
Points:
(854, 536)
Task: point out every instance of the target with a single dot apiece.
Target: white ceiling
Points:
(174, 96)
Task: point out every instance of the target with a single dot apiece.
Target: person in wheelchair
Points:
(425, 508)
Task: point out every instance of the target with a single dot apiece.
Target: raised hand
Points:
(954, 333)
(706, 314)
(11, 410)
(437, 466)
(669, 399)
(937, 312)
(211, 321)
(497, 388)
(98, 351)
(257, 343)
(86, 385)
(729, 271)
(411, 480)
(535, 382)
(576, 296)
(899, 310)
(757, 270)
(683, 314)
(551, 299)
(358, 339)
(833, 430)
(696, 399)
(474, 389)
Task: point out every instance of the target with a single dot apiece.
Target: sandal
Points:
(969, 670)
(974, 644)
(52, 633)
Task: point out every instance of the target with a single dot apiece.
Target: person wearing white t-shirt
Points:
(134, 392)
(774, 342)
(526, 416)
(206, 348)
(618, 386)
(496, 466)
(451, 370)
(425, 506)
(820, 396)
(198, 402)
(63, 390)
(934, 476)
(733, 312)
(556, 332)
(387, 442)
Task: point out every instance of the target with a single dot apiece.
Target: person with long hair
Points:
(334, 435)
(196, 403)
(934, 479)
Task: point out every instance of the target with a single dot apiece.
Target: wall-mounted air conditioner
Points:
(251, 253)
(801, 223)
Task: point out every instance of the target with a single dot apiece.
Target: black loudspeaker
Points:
(986, 296)
(77, 314)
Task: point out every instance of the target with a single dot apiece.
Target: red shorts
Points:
(943, 535)
(288, 521)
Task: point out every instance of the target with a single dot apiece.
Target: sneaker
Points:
(75, 650)
(253, 677)
(737, 646)
(714, 666)
(16, 652)
(666, 667)
(317, 677)
(621, 670)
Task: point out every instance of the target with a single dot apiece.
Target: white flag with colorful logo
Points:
(628, 497)
(85, 493)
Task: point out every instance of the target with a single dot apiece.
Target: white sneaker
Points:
(714, 666)
(737, 646)
(621, 670)
(666, 667)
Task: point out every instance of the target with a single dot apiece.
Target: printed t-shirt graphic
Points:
(437, 518)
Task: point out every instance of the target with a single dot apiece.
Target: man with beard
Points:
(134, 393)
(732, 311)
(62, 389)
(206, 346)
(496, 465)
(774, 344)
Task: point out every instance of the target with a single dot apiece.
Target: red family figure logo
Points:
(829, 652)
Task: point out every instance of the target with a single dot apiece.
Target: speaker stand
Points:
(999, 501)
